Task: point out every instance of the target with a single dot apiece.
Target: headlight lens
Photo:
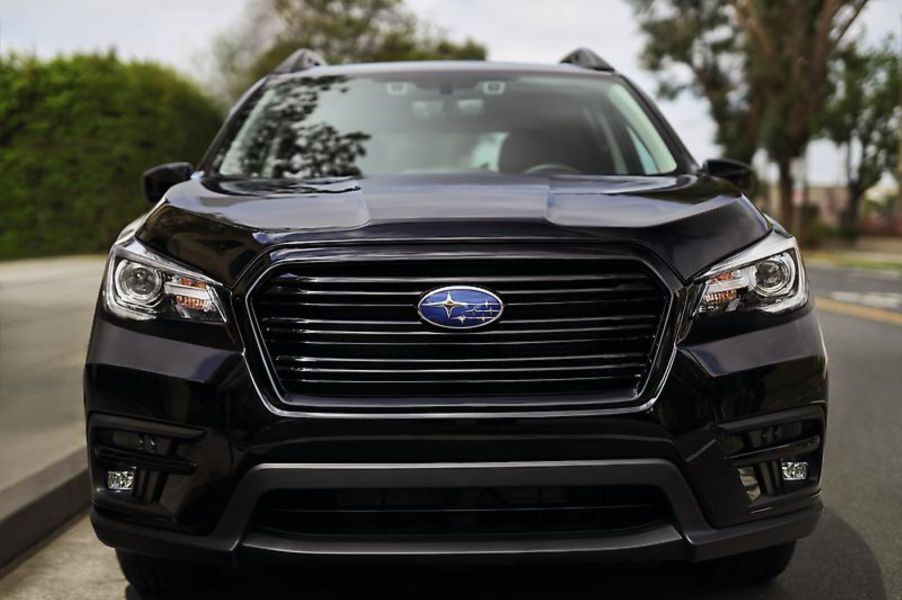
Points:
(142, 286)
(137, 283)
(768, 277)
(775, 275)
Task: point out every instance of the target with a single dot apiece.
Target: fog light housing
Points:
(121, 481)
(794, 470)
(750, 482)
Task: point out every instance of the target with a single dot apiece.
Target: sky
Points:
(179, 32)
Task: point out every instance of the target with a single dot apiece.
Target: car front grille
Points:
(351, 328)
(460, 511)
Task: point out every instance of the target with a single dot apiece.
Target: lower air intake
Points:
(463, 511)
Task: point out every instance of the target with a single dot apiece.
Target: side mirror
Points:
(738, 173)
(156, 181)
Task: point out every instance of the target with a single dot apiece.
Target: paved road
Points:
(855, 553)
(874, 289)
(45, 319)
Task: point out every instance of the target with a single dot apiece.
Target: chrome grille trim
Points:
(435, 381)
(509, 321)
(493, 370)
(417, 293)
(640, 328)
(482, 333)
(463, 360)
(428, 343)
(503, 278)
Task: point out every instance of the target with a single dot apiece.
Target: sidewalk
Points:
(74, 566)
(45, 320)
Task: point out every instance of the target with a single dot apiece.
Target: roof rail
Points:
(300, 60)
(585, 58)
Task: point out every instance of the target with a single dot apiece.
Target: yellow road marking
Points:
(856, 310)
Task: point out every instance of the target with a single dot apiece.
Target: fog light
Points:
(794, 470)
(121, 481)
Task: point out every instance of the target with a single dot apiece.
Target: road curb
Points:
(36, 506)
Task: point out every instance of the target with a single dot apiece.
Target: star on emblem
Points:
(449, 304)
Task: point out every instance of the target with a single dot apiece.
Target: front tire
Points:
(153, 577)
(758, 566)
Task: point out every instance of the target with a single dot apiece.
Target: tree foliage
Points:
(695, 46)
(863, 116)
(75, 135)
(341, 30)
(763, 66)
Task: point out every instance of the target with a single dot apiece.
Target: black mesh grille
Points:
(475, 511)
(352, 328)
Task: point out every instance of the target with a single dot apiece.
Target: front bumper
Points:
(689, 538)
(219, 448)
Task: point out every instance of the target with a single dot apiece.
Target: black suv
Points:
(457, 311)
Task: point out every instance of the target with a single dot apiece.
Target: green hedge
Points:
(75, 135)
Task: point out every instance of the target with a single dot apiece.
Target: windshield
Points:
(443, 123)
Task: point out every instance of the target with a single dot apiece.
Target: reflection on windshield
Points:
(283, 142)
(306, 127)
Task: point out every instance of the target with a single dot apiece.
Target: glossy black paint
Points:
(156, 182)
(724, 370)
(720, 379)
(223, 226)
(738, 173)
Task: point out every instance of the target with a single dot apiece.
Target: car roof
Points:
(445, 66)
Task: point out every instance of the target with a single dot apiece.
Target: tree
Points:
(897, 170)
(863, 117)
(75, 135)
(340, 30)
(763, 66)
(694, 46)
(790, 46)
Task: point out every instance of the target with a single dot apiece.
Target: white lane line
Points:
(885, 300)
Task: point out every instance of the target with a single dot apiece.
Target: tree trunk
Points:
(850, 214)
(850, 222)
(785, 187)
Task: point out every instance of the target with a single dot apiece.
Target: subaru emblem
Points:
(460, 307)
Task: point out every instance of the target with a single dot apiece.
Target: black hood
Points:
(220, 225)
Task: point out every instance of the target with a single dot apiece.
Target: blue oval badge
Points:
(460, 307)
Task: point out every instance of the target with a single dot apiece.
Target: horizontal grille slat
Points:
(599, 291)
(494, 380)
(563, 341)
(351, 332)
(493, 279)
(318, 359)
(352, 328)
(415, 324)
(413, 371)
(352, 304)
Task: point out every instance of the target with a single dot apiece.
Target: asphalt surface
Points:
(45, 320)
(856, 551)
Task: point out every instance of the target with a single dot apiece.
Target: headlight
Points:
(141, 285)
(769, 277)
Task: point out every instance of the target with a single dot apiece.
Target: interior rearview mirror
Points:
(156, 181)
(739, 173)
